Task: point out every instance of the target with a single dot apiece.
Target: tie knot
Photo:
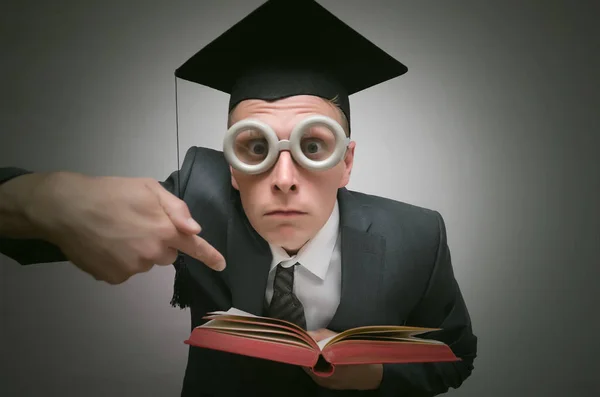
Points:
(284, 278)
(288, 268)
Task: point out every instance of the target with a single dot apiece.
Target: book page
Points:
(384, 338)
(255, 330)
(288, 339)
(401, 333)
(241, 323)
(235, 312)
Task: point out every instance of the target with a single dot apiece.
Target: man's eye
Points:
(312, 147)
(257, 147)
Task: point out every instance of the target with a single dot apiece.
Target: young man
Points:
(280, 234)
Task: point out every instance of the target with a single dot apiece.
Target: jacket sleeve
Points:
(442, 306)
(27, 251)
(35, 251)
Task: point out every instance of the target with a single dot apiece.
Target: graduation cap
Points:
(290, 47)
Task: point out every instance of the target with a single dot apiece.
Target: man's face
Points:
(308, 196)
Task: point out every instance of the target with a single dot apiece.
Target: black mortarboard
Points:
(286, 48)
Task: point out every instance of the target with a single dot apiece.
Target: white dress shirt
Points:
(317, 278)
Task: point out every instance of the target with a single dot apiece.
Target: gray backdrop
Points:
(495, 125)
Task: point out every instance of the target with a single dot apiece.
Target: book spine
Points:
(323, 368)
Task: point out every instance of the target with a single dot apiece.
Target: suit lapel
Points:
(362, 265)
(248, 263)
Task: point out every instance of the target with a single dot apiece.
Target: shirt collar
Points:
(315, 255)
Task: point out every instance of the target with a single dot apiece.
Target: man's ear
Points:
(233, 181)
(348, 163)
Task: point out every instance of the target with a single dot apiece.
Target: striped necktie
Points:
(284, 304)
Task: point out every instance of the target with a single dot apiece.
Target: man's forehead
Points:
(288, 106)
(284, 114)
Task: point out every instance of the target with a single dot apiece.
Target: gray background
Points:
(495, 125)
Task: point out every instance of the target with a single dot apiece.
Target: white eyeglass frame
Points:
(292, 145)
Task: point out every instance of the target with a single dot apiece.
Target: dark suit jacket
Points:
(396, 269)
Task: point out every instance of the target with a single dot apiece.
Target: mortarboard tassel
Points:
(181, 287)
(181, 296)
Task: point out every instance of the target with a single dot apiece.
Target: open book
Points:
(242, 333)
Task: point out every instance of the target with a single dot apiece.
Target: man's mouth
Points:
(285, 213)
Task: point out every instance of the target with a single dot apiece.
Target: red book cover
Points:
(272, 339)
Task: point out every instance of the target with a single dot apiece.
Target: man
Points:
(267, 225)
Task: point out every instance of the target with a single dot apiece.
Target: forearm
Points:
(16, 196)
(432, 379)
(22, 238)
(423, 380)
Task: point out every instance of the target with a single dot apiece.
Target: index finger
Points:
(197, 247)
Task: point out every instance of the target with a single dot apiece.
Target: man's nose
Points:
(284, 173)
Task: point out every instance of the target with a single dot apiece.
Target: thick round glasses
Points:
(316, 143)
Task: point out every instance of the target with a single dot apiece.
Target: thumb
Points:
(177, 211)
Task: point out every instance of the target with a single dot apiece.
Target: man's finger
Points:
(200, 249)
(177, 211)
